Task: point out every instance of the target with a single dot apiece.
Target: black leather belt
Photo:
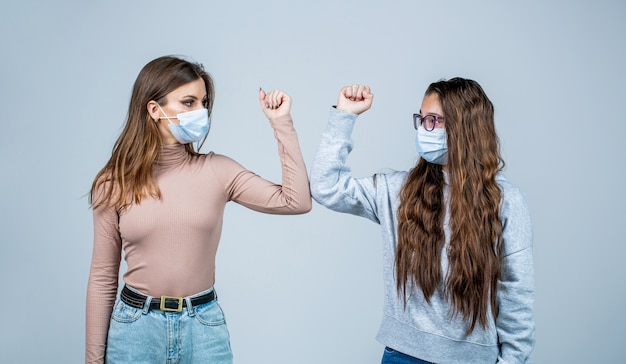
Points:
(165, 303)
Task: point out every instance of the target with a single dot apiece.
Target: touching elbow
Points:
(317, 193)
(300, 206)
(307, 206)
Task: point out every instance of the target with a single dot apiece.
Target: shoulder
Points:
(219, 158)
(217, 162)
(393, 176)
(392, 180)
(210, 157)
(101, 189)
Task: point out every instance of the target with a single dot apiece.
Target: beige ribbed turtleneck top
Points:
(170, 243)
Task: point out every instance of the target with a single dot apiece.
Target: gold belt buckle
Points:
(178, 308)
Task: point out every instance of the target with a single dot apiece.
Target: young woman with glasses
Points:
(161, 202)
(457, 237)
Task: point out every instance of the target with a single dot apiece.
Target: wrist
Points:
(280, 119)
(345, 110)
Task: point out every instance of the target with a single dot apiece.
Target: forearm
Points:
(98, 314)
(293, 195)
(103, 282)
(295, 180)
(332, 184)
(329, 166)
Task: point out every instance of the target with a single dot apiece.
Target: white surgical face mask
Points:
(194, 125)
(432, 145)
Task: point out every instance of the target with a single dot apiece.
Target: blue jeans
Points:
(195, 335)
(391, 356)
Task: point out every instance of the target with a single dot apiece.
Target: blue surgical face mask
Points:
(432, 145)
(192, 127)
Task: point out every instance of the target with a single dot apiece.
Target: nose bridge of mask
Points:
(435, 136)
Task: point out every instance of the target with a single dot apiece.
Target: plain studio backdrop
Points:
(308, 289)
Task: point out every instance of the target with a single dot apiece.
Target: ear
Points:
(153, 110)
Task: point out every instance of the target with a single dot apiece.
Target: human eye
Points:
(428, 122)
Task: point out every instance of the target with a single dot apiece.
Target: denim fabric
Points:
(196, 335)
(391, 356)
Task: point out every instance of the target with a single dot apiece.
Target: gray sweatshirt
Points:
(422, 330)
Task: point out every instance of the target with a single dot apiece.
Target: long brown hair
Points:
(474, 254)
(127, 177)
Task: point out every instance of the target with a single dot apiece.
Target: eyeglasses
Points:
(429, 122)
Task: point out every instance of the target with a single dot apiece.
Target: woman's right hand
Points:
(355, 99)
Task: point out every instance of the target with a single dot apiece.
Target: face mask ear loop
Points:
(165, 117)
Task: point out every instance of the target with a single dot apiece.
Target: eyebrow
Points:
(194, 97)
(432, 113)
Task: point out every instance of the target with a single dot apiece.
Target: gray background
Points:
(308, 289)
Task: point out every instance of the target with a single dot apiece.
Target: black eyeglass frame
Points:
(435, 120)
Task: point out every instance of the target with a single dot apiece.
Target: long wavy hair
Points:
(127, 177)
(474, 253)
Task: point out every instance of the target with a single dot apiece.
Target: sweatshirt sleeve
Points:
(515, 322)
(293, 196)
(103, 282)
(332, 184)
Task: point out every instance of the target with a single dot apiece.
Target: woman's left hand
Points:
(275, 103)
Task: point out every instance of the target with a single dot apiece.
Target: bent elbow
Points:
(317, 191)
(322, 195)
(299, 206)
(306, 206)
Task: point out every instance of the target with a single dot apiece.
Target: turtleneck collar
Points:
(171, 156)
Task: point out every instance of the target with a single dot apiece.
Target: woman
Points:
(457, 236)
(162, 203)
